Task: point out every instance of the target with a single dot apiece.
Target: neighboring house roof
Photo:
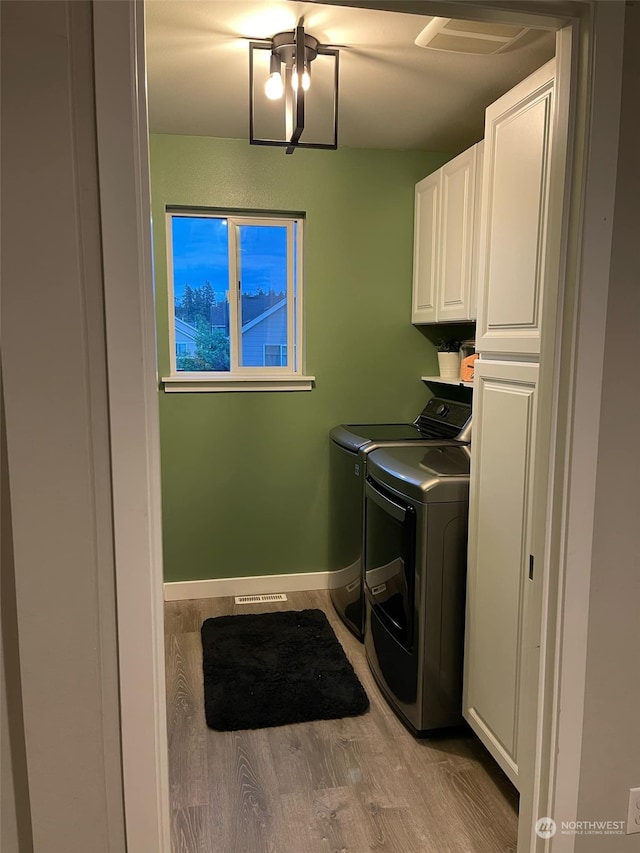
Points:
(220, 317)
(255, 305)
(257, 320)
(254, 310)
(186, 329)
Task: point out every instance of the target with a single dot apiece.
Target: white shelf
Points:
(442, 381)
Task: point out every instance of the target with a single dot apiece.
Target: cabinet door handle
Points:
(530, 567)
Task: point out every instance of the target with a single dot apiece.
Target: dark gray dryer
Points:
(416, 518)
(440, 421)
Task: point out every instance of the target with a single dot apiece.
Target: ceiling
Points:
(393, 94)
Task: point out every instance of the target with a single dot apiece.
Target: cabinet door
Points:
(505, 397)
(515, 200)
(457, 215)
(425, 249)
(475, 262)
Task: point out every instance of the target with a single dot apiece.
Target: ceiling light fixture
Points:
(292, 53)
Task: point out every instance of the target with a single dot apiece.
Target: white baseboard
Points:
(219, 587)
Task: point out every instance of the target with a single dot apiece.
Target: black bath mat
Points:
(271, 669)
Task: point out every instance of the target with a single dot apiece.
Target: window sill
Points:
(209, 384)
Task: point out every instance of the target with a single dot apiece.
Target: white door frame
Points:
(576, 400)
(130, 331)
(135, 437)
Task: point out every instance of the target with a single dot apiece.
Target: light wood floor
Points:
(332, 786)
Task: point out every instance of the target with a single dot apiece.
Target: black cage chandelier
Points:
(286, 86)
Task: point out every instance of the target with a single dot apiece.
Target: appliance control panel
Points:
(449, 412)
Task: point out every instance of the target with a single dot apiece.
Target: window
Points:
(275, 355)
(235, 302)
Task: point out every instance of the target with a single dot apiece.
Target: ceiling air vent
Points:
(477, 37)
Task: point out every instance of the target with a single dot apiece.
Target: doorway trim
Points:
(123, 167)
(130, 331)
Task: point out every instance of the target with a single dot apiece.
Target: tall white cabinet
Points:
(513, 242)
(505, 401)
(445, 241)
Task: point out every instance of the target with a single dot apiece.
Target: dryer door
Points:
(390, 553)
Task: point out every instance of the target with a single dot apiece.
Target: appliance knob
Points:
(442, 410)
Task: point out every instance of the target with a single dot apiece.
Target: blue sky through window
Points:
(200, 253)
(263, 254)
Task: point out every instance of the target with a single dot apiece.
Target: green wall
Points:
(245, 475)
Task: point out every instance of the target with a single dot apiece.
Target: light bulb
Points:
(273, 88)
(306, 80)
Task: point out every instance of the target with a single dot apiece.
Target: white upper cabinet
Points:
(444, 258)
(475, 260)
(425, 249)
(457, 226)
(514, 210)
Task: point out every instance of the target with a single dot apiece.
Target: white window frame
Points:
(238, 378)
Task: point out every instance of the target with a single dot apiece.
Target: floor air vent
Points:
(257, 599)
